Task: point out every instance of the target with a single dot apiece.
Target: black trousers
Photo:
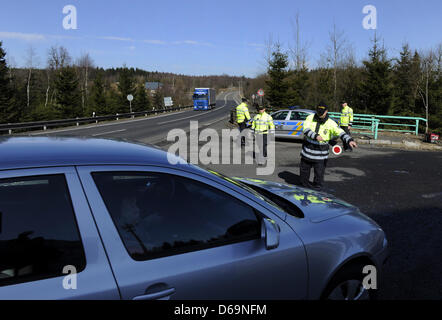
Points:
(242, 126)
(261, 146)
(347, 131)
(319, 170)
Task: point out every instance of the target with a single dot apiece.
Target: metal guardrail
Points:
(412, 122)
(65, 122)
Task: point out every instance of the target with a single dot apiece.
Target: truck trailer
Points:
(204, 99)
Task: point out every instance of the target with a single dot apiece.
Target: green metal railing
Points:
(408, 124)
(368, 125)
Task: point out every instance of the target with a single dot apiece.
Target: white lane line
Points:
(109, 132)
(105, 125)
(197, 115)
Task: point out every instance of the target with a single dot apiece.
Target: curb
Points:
(407, 145)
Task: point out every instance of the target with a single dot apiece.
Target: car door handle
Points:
(156, 295)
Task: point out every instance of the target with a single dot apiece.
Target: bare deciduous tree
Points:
(31, 63)
(85, 64)
(335, 55)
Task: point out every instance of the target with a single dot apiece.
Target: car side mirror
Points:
(270, 233)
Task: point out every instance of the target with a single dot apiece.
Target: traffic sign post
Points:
(130, 98)
(260, 94)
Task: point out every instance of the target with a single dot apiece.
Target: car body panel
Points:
(341, 232)
(237, 271)
(96, 280)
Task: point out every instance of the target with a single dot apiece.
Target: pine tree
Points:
(7, 111)
(126, 87)
(98, 98)
(377, 86)
(141, 102)
(277, 85)
(298, 86)
(68, 96)
(158, 100)
(405, 83)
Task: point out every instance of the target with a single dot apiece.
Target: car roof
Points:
(31, 152)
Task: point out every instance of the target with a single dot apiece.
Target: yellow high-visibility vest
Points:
(242, 113)
(262, 123)
(346, 116)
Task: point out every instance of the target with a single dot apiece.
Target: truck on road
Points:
(204, 99)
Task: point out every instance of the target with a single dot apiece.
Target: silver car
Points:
(289, 123)
(102, 219)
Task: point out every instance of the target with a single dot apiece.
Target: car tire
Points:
(347, 285)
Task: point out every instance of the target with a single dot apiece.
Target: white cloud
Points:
(117, 39)
(154, 41)
(22, 36)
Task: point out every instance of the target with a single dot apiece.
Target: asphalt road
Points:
(152, 129)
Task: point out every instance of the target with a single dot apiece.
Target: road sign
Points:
(130, 97)
(168, 102)
(260, 92)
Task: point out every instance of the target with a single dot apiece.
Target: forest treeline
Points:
(70, 88)
(409, 84)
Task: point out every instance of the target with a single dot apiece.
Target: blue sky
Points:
(208, 36)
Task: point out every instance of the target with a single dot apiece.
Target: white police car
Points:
(289, 123)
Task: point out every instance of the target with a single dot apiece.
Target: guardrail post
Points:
(117, 116)
(417, 127)
(10, 131)
(77, 122)
(44, 128)
(376, 129)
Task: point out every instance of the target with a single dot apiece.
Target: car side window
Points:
(294, 116)
(280, 115)
(38, 230)
(302, 115)
(158, 214)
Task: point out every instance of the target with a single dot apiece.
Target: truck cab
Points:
(204, 99)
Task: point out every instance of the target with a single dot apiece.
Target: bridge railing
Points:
(389, 123)
(44, 125)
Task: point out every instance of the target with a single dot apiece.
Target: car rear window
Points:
(38, 231)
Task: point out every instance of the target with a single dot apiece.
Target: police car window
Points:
(158, 214)
(38, 231)
(294, 116)
(280, 115)
(303, 115)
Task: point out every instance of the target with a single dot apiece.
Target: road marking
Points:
(109, 132)
(105, 125)
(432, 195)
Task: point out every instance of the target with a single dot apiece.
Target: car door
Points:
(280, 119)
(49, 244)
(174, 235)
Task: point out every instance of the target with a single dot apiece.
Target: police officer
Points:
(262, 125)
(346, 120)
(318, 130)
(242, 116)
